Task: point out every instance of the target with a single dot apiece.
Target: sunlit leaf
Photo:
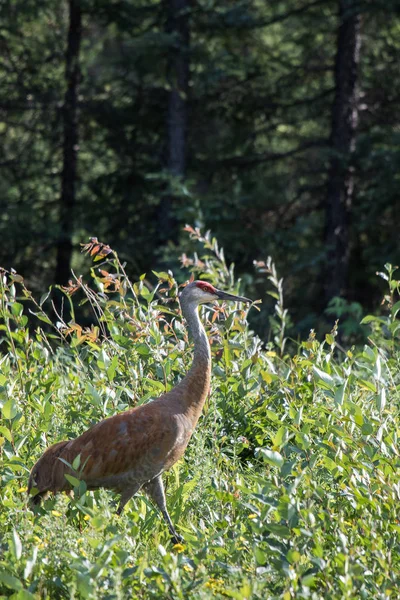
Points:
(381, 400)
(271, 456)
(16, 545)
(323, 377)
(10, 409)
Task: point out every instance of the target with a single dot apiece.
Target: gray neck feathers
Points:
(196, 329)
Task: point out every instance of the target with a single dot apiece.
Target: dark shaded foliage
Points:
(218, 114)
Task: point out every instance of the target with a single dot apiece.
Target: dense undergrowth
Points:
(290, 486)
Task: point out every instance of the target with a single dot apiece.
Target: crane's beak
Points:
(225, 296)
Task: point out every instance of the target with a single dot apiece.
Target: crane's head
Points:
(200, 292)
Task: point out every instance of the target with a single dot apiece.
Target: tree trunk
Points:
(70, 144)
(178, 78)
(342, 141)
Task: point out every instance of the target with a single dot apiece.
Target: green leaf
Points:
(41, 315)
(143, 349)
(162, 275)
(164, 309)
(339, 394)
(281, 436)
(266, 377)
(112, 368)
(293, 556)
(10, 581)
(381, 400)
(147, 294)
(273, 294)
(373, 319)
(10, 409)
(367, 429)
(16, 545)
(367, 384)
(72, 480)
(271, 456)
(272, 415)
(324, 377)
(44, 318)
(44, 297)
(104, 358)
(23, 595)
(330, 339)
(260, 556)
(279, 530)
(383, 275)
(16, 309)
(95, 397)
(395, 309)
(6, 433)
(377, 368)
(76, 462)
(308, 580)
(30, 563)
(155, 384)
(369, 354)
(356, 411)
(329, 463)
(298, 416)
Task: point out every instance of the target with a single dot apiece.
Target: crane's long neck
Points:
(196, 384)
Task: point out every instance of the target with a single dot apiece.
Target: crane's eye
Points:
(206, 287)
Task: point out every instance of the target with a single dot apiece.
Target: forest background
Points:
(273, 124)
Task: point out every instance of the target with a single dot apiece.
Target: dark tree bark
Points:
(343, 129)
(178, 78)
(70, 144)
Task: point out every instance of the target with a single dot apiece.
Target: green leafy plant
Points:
(290, 486)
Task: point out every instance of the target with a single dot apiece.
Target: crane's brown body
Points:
(132, 449)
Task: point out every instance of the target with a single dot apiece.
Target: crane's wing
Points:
(137, 441)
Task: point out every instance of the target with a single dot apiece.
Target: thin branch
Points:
(253, 24)
(256, 159)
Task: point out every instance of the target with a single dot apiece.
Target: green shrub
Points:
(289, 488)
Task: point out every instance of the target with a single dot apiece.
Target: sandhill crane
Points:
(131, 450)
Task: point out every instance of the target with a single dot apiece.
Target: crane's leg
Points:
(155, 489)
(126, 495)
